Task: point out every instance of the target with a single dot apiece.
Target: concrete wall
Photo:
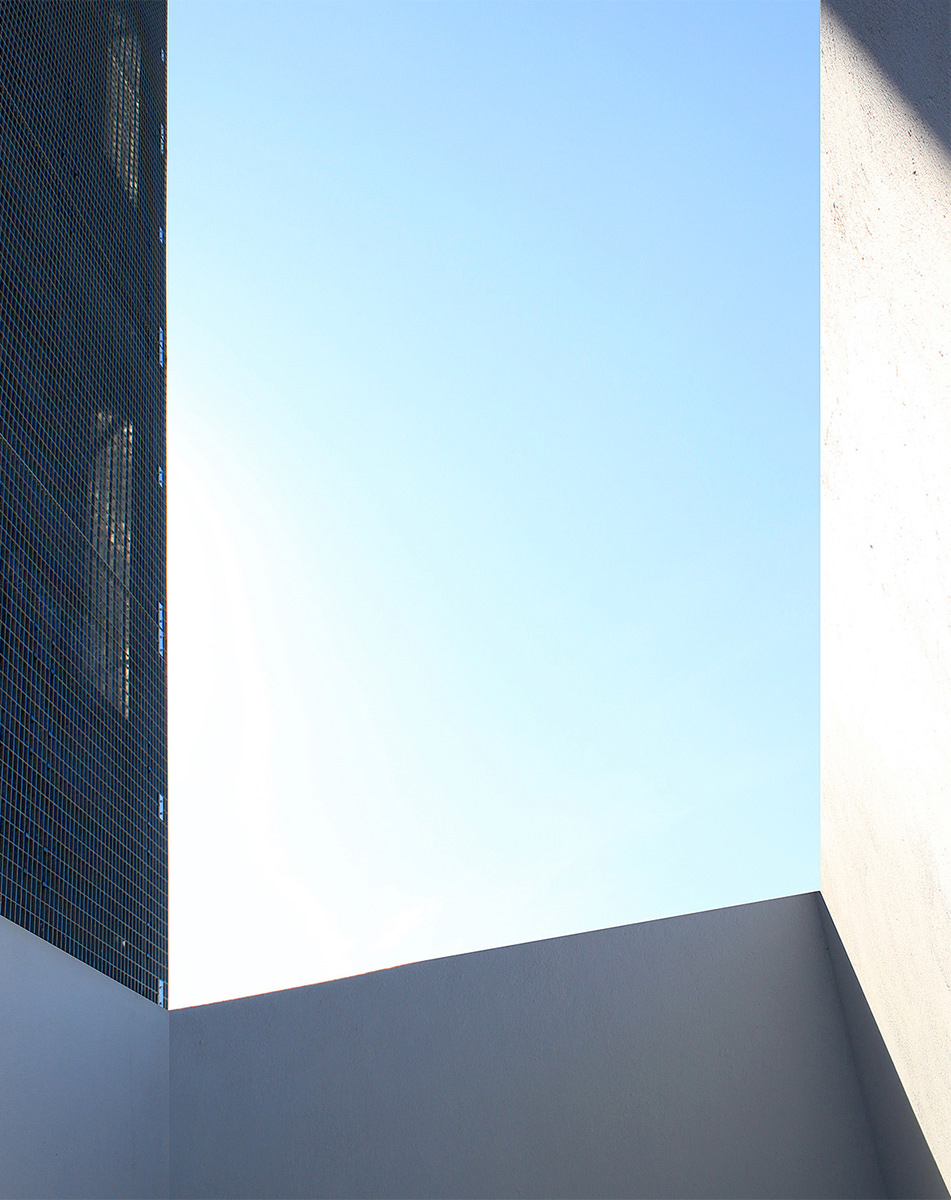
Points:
(886, 525)
(908, 1166)
(83, 1078)
(699, 1056)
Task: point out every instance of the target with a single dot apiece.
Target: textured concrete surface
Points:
(83, 1078)
(704, 1055)
(886, 537)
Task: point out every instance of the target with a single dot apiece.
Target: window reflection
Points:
(110, 534)
(122, 113)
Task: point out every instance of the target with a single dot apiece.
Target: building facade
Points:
(83, 762)
(794, 1047)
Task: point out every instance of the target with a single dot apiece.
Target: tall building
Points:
(796, 1047)
(83, 763)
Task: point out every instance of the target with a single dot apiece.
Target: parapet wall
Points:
(83, 1078)
(707, 1055)
(704, 1055)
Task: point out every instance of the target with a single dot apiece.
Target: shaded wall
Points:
(908, 1166)
(886, 526)
(703, 1055)
(83, 1078)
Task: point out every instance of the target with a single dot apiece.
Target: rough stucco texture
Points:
(886, 541)
(699, 1056)
(83, 1078)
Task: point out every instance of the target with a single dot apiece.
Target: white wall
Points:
(886, 526)
(83, 1078)
(704, 1055)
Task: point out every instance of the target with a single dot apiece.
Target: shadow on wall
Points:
(702, 1055)
(906, 1160)
(905, 51)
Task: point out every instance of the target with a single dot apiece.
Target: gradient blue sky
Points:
(493, 475)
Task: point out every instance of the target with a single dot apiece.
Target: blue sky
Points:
(493, 475)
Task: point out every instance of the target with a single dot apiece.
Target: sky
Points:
(492, 475)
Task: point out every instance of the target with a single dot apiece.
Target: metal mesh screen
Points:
(83, 763)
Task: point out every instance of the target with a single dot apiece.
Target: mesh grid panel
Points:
(83, 763)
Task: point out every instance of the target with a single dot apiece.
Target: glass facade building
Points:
(83, 762)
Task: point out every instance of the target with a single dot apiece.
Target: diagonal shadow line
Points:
(904, 1155)
(913, 50)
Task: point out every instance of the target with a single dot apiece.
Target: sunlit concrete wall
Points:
(83, 1078)
(703, 1055)
(886, 525)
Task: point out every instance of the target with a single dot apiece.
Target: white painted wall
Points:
(703, 1055)
(886, 527)
(83, 1078)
